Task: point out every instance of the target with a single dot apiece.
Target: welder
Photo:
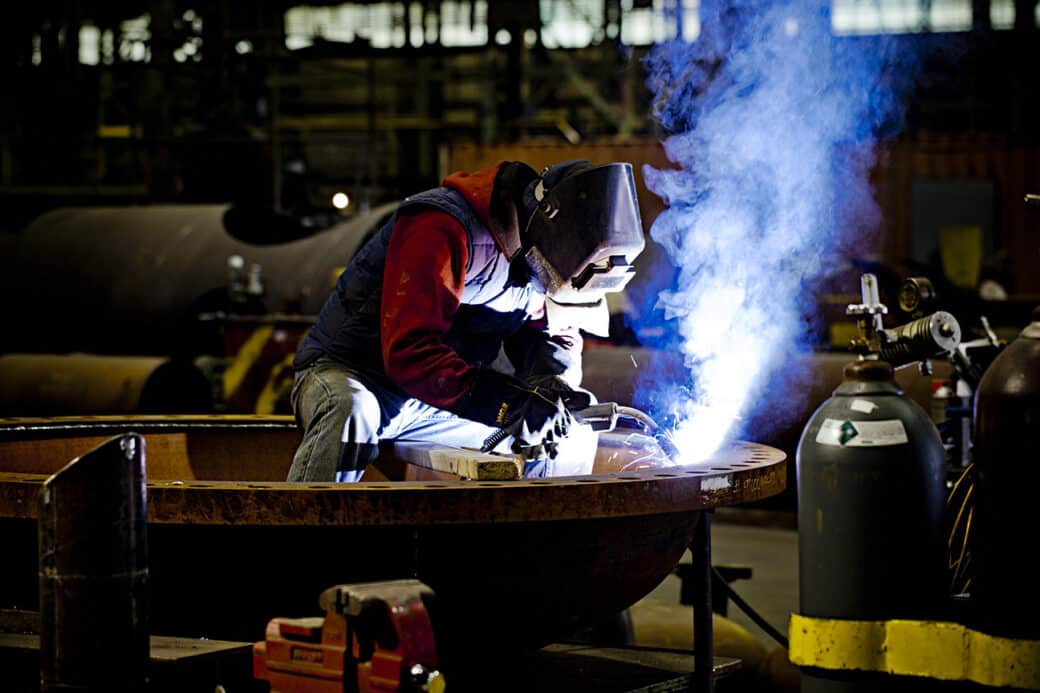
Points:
(463, 316)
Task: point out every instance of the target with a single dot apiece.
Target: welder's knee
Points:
(334, 409)
(361, 415)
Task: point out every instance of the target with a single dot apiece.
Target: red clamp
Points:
(375, 637)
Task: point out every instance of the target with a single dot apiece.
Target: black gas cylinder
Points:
(871, 490)
(1007, 478)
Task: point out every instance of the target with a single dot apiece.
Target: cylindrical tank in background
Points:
(119, 280)
(1007, 477)
(66, 385)
(870, 505)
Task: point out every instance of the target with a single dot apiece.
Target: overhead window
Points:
(388, 24)
(899, 16)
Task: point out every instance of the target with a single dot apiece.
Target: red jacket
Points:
(446, 301)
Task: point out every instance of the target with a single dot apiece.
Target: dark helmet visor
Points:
(585, 233)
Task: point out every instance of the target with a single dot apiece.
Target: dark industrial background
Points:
(181, 183)
(280, 105)
(274, 121)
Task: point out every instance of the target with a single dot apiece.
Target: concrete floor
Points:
(772, 554)
(768, 544)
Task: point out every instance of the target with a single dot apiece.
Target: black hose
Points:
(746, 608)
(492, 441)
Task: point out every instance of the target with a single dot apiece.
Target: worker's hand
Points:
(541, 422)
(573, 398)
(536, 417)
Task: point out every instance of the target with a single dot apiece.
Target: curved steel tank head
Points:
(529, 560)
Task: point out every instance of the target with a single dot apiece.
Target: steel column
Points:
(703, 653)
(94, 572)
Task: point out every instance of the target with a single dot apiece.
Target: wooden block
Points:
(469, 464)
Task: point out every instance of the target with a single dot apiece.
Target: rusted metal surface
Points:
(50, 426)
(256, 448)
(741, 473)
(547, 554)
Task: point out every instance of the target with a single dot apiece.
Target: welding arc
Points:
(746, 608)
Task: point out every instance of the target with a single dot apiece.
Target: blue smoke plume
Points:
(772, 126)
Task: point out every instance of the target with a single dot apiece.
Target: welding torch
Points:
(603, 418)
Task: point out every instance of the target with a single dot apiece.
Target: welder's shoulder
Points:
(430, 226)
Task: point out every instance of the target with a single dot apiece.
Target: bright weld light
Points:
(772, 151)
(728, 376)
(340, 200)
(724, 344)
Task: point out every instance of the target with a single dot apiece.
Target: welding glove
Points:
(575, 398)
(536, 418)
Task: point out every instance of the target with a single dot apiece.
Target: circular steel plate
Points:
(532, 559)
(740, 472)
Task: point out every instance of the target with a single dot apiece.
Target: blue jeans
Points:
(344, 415)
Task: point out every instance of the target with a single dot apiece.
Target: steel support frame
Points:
(703, 652)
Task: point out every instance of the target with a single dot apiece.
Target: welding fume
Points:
(771, 128)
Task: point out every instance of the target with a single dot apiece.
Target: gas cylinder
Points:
(1007, 480)
(871, 492)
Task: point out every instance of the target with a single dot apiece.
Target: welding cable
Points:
(492, 441)
(957, 522)
(960, 479)
(965, 558)
(746, 608)
(958, 562)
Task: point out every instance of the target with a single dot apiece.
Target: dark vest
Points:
(492, 308)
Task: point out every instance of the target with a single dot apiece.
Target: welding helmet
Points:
(583, 234)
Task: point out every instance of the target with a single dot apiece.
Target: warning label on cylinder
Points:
(861, 434)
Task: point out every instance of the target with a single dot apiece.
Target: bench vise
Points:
(375, 637)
